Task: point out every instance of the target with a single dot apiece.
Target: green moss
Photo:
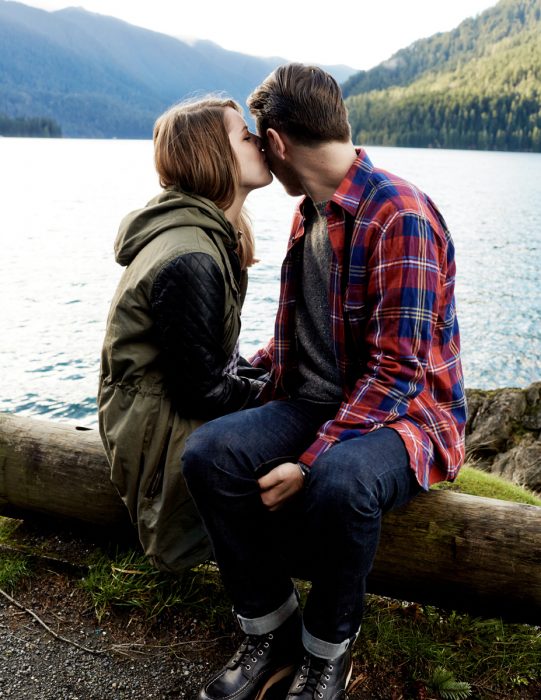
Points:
(476, 482)
(7, 528)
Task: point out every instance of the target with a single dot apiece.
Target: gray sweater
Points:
(318, 375)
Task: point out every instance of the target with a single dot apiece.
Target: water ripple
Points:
(55, 305)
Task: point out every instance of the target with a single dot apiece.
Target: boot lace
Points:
(315, 673)
(251, 649)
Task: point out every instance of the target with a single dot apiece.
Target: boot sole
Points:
(276, 678)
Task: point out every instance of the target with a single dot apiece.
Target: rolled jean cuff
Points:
(271, 621)
(324, 650)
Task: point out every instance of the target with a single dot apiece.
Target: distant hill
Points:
(29, 126)
(97, 76)
(478, 86)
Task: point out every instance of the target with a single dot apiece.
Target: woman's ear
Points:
(276, 143)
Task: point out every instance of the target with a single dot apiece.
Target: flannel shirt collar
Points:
(350, 192)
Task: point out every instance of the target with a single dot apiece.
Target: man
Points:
(365, 403)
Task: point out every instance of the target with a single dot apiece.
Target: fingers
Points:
(275, 497)
(281, 473)
(269, 480)
(280, 484)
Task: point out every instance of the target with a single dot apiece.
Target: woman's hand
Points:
(280, 484)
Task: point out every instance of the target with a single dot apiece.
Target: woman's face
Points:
(254, 171)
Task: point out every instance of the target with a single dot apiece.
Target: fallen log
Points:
(58, 470)
(447, 549)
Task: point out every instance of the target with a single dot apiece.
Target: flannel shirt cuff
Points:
(315, 450)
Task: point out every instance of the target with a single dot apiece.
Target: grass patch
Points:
(13, 569)
(476, 482)
(130, 581)
(7, 528)
(494, 658)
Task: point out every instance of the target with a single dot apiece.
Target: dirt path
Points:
(119, 658)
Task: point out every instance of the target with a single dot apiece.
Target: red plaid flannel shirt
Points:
(393, 318)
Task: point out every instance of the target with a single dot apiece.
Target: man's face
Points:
(283, 171)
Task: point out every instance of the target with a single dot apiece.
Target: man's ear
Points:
(276, 143)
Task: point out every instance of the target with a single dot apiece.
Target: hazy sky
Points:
(362, 35)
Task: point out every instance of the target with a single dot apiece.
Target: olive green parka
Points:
(144, 423)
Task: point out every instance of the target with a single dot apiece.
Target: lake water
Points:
(62, 201)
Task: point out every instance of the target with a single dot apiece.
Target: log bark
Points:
(58, 470)
(479, 555)
(447, 549)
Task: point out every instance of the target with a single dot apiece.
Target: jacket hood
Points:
(170, 209)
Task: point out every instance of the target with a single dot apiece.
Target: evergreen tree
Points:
(492, 100)
(29, 126)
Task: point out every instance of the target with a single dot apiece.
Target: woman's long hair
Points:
(192, 153)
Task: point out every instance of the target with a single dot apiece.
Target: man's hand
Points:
(280, 484)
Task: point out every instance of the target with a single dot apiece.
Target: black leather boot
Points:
(259, 663)
(322, 679)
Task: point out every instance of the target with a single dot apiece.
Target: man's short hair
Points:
(303, 102)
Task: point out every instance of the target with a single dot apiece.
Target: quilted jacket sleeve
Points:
(187, 305)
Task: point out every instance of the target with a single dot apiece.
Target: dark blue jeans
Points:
(327, 534)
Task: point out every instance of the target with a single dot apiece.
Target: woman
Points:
(169, 360)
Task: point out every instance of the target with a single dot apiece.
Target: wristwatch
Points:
(305, 471)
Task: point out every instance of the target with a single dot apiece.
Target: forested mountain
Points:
(29, 126)
(478, 86)
(98, 76)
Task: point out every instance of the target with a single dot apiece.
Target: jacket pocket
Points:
(156, 480)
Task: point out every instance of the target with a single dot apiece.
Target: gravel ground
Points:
(116, 663)
(34, 665)
(120, 657)
(133, 658)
